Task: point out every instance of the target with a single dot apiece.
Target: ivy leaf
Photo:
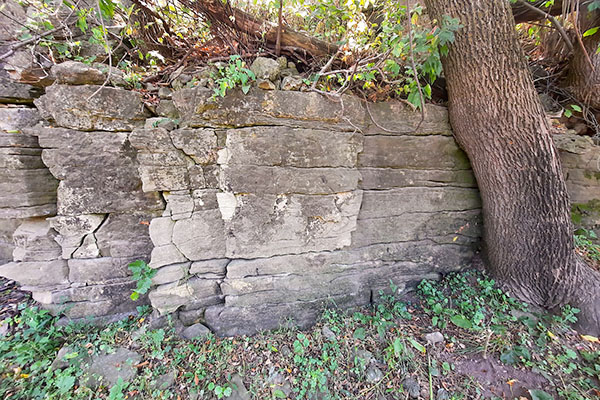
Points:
(359, 334)
(461, 322)
(279, 394)
(537, 394)
(417, 345)
(64, 383)
(591, 31)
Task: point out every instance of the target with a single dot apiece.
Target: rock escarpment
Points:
(255, 210)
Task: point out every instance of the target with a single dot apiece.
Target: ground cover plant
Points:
(459, 338)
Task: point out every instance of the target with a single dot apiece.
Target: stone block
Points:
(36, 273)
(266, 225)
(161, 231)
(91, 107)
(98, 270)
(396, 202)
(16, 118)
(412, 152)
(210, 267)
(439, 226)
(292, 147)
(77, 73)
(202, 236)
(166, 255)
(171, 273)
(193, 295)
(386, 178)
(268, 107)
(199, 144)
(125, 236)
(277, 180)
(72, 231)
(398, 119)
(17, 93)
(34, 241)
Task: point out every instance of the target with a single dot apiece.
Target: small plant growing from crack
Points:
(142, 274)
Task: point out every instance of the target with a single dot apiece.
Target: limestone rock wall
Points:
(254, 209)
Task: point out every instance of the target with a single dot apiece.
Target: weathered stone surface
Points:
(193, 294)
(18, 139)
(199, 144)
(98, 270)
(231, 321)
(166, 255)
(77, 73)
(7, 228)
(292, 147)
(125, 235)
(171, 273)
(292, 83)
(36, 273)
(180, 205)
(277, 180)
(196, 331)
(398, 118)
(87, 190)
(16, 118)
(34, 241)
(106, 370)
(202, 236)
(386, 178)
(412, 152)
(27, 192)
(265, 225)
(268, 107)
(116, 292)
(298, 280)
(17, 93)
(161, 231)
(458, 226)
(166, 108)
(209, 267)
(265, 85)
(396, 202)
(73, 229)
(581, 166)
(90, 107)
(265, 68)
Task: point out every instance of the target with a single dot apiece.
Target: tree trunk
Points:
(498, 120)
(522, 13)
(221, 12)
(584, 71)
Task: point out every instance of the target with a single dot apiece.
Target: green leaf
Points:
(537, 394)
(591, 31)
(398, 347)
(575, 107)
(245, 89)
(359, 334)
(134, 296)
(417, 345)
(461, 322)
(279, 394)
(64, 383)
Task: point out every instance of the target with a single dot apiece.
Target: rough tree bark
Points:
(584, 71)
(498, 120)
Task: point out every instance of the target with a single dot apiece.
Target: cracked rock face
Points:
(255, 211)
